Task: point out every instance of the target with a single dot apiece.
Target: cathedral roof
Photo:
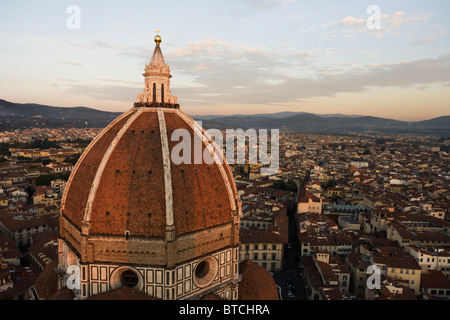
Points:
(47, 282)
(256, 283)
(126, 181)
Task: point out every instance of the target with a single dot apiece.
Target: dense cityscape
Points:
(297, 152)
(337, 205)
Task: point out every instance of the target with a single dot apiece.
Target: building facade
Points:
(262, 247)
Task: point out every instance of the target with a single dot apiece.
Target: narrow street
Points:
(290, 278)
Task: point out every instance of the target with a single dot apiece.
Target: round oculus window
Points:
(205, 272)
(126, 277)
(129, 279)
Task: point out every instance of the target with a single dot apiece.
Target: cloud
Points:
(268, 4)
(95, 43)
(226, 73)
(214, 72)
(217, 67)
(425, 40)
(100, 92)
(403, 74)
(439, 32)
(352, 21)
(399, 18)
(72, 63)
(105, 44)
(390, 23)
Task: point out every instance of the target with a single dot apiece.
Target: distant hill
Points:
(16, 116)
(311, 123)
(278, 115)
(440, 122)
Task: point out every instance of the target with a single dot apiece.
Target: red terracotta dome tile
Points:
(122, 175)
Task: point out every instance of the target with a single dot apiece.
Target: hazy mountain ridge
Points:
(19, 116)
(278, 115)
(310, 123)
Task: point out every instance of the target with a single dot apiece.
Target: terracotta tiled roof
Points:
(311, 271)
(305, 195)
(433, 279)
(405, 262)
(62, 294)
(47, 282)
(131, 193)
(332, 294)
(8, 248)
(22, 278)
(259, 236)
(256, 283)
(14, 221)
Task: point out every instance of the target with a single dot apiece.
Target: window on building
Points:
(129, 279)
(202, 269)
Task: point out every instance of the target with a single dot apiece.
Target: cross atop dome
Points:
(157, 37)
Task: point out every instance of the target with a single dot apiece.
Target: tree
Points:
(331, 183)
(290, 185)
(73, 159)
(45, 180)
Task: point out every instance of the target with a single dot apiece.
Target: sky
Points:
(380, 58)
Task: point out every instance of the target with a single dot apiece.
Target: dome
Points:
(126, 184)
(256, 283)
(142, 210)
